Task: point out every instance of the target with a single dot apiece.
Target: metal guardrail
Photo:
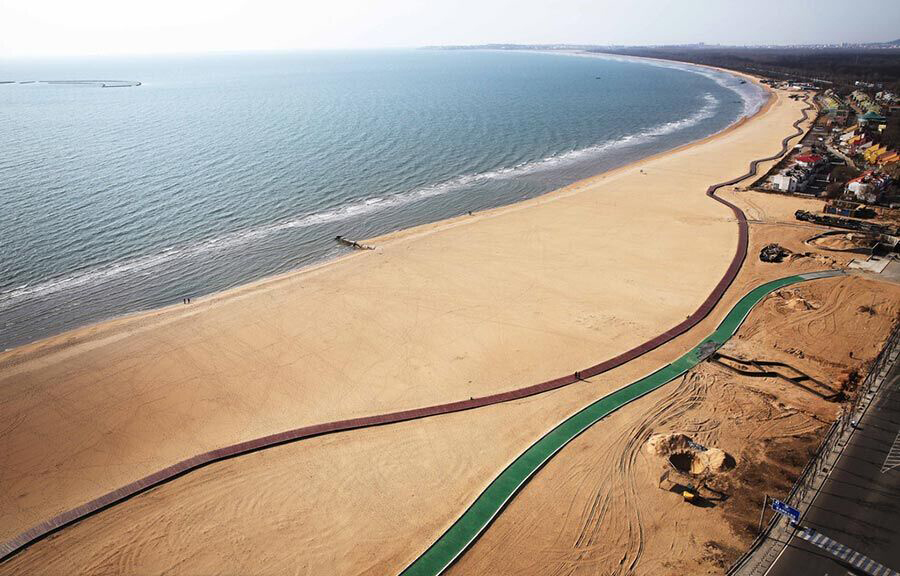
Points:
(804, 484)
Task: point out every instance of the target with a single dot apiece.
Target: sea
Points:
(128, 184)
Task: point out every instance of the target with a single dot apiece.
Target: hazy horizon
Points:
(51, 28)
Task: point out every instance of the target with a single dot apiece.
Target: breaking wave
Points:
(144, 264)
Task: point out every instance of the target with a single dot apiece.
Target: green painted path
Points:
(482, 512)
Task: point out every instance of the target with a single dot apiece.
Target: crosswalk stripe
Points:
(892, 460)
(845, 553)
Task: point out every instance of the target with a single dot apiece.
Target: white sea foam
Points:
(145, 264)
(752, 96)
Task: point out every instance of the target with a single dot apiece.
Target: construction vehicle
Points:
(684, 488)
(690, 493)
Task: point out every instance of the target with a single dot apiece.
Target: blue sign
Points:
(785, 510)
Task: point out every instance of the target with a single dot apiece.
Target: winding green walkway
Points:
(482, 512)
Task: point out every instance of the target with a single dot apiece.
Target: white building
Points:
(784, 183)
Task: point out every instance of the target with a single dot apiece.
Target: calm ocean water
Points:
(223, 169)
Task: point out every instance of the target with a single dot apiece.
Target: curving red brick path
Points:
(44, 529)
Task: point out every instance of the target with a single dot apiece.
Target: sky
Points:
(36, 28)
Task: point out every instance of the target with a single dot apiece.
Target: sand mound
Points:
(790, 300)
(822, 259)
(798, 304)
(849, 241)
(688, 457)
(666, 444)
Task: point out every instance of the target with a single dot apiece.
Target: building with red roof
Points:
(808, 159)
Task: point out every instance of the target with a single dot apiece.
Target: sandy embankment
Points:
(597, 508)
(490, 303)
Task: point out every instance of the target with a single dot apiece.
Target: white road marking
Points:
(842, 552)
(893, 456)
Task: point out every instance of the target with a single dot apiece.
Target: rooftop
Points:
(873, 117)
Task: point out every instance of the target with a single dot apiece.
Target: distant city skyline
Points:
(35, 28)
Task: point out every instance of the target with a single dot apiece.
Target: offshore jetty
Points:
(96, 83)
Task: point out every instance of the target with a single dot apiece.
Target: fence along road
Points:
(115, 497)
(769, 545)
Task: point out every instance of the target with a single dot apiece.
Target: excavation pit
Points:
(682, 461)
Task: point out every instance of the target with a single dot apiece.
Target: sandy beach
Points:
(442, 312)
(353, 503)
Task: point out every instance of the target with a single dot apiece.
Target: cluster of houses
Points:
(859, 144)
(796, 177)
(862, 143)
(865, 103)
(868, 187)
(789, 84)
(884, 102)
(835, 112)
(862, 139)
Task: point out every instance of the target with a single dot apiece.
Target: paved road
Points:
(859, 505)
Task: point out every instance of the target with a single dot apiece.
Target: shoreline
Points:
(183, 467)
(105, 328)
(578, 186)
(251, 445)
(681, 208)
